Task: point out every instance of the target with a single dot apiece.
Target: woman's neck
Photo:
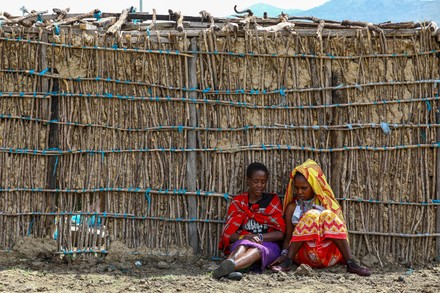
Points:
(308, 201)
(253, 198)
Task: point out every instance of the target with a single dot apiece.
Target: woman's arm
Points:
(273, 236)
(234, 237)
(289, 231)
(270, 236)
(289, 226)
(256, 238)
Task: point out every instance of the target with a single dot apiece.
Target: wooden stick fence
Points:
(144, 136)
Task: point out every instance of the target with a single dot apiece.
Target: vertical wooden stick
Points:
(191, 165)
(52, 112)
(437, 172)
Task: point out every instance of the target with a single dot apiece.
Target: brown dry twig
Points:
(178, 16)
(205, 15)
(117, 26)
(61, 13)
(248, 11)
(74, 19)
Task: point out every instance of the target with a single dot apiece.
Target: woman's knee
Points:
(312, 214)
(254, 250)
(328, 216)
(327, 213)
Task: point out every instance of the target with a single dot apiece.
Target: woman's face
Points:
(257, 183)
(303, 190)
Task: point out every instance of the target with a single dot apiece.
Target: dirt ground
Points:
(99, 276)
(38, 270)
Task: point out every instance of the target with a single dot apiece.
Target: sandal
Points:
(236, 276)
(226, 267)
(285, 266)
(354, 268)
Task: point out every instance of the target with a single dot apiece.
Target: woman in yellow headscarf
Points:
(316, 234)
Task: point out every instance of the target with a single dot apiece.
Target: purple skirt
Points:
(270, 251)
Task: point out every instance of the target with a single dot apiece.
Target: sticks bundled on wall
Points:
(98, 144)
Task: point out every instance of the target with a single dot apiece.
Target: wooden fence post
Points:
(53, 139)
(191, 166)
(437, 186)
(52, 161)
(52, 113)
(337, 138)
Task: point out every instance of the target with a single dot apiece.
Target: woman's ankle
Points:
(286, 263)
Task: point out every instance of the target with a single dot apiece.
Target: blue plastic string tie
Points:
(55, 166)
(44, 71)
(56, 29)
(97, 15)
(428, 104)
(385, 127)
(39, 19)
(282, 92)
(30, 226)
(147, 196)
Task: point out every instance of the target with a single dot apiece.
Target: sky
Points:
(217, 8)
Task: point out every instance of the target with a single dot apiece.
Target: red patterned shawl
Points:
(239, 214)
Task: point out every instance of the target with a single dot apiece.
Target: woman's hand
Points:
(253, 238)
(279, 260)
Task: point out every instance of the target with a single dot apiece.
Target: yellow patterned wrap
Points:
(316, 178)
(315, 225)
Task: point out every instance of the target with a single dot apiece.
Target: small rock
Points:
(281, 276)
(424, 275)
(131, 289)
(111, 268)
(37, 264)
(352, 277)
(163, 265)
(200, 262)
(101, 268)
(210, 266)
(401, 279)
(341, 279)
(304, 270)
